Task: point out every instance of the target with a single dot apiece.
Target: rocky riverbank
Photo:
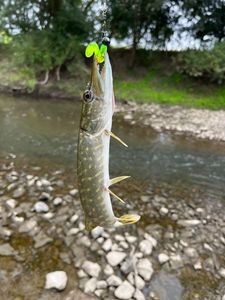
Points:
(175, 252)
(200, 123)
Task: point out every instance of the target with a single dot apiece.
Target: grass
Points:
(172, 89)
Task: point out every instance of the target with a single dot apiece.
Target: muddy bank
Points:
(200, 123)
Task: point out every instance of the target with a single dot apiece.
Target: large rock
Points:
(57, 280)
(145, 270)
(115, 257)
(124, 291)
(92, 269)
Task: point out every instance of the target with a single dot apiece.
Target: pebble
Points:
(101, 284)
(136, 280)
(176, 261)
(191, 252)
(107, 245)
(163, 258)
(11, 203)
(188, 223)
(138, 295)
(19, 192)
(151, 239)
(73, 192)
(44, 196)
(27, 226)
(108, 270)
(163, 211)
(146, 247)
(124, 291)
(144, 268)
(115, 257)
(81, 274)
(41, 207)
(198, 265)
(84, 240)
(7, 250)
(97, 232)
(90, 285)
(222, 272)
(91, 268)
(57, 201)
(74, 218)
(73, 231)
(114, 280)
(131, 239)
(57, 280)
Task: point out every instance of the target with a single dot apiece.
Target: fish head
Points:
(98, 100)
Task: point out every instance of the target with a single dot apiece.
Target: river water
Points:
(46, 130)
(43, 132)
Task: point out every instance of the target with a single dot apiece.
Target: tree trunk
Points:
(133, 52)
(57, 73)
(45, 81)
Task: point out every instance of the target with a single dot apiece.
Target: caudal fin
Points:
(129, 219)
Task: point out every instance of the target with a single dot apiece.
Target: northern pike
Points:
(93, 150)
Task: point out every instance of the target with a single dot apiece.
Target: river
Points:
(43, 133)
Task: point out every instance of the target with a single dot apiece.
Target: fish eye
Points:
(88, 96)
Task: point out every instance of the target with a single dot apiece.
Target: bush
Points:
(204, 63)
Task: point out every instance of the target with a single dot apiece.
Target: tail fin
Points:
(129, 219)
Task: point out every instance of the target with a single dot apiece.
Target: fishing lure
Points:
(93, 146)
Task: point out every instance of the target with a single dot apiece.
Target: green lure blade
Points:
(93, 49)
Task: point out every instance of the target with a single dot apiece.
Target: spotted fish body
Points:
(93, 150)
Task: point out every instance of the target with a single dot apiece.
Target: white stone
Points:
(115, 257)
(107, 245)
(11, 203)
(188, 223)
(74, 218)
(57, 201)
(138, 295)
(41, 207)
(81, 274)
(145, 270)
(108, 270)
(124, 291)
(151, 239)
(7, 250)
(99, 292)
(27, 226)
(191, 252)
(136, 280)
(131, 239)
(163, 258)
(84, 240)
(90, 285)
(114, 280)
(119, 237)
(57, 280)
(97, 232)
(198, 265)
(100, 240)
(101, 284)
(207, 247)
(222, 272)
(73, 192)
(146, 247)
(73, 231)
(176, 261)
(124, 245)
(163, 211)
(91, 268)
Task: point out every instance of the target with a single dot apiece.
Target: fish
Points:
(93, 151)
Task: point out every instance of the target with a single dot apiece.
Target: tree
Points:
(139, 18)
(206, 18)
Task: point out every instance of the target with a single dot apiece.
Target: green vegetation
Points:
(172, 90)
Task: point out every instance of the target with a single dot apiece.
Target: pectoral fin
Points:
(115, 137)
(117, 179)
(114, 195)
